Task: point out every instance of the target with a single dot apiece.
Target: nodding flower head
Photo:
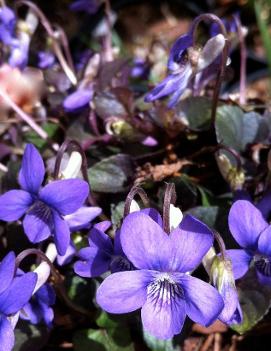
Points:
(222, 278)
(185, 62)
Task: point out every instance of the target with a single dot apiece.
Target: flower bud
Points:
(222, 278)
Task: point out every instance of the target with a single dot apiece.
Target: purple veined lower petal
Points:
(240, 260)
(38, 222)
(78, 99)
(7, 338)
(186, 75)
(178, 50)
(103, 226)
(32, 171)
(7, 270)
(145, 243)
(264, 205)
(92, 264)
(168, 86)
(246, 223)
(191, 240)
(70, 253)
(62, 234)
(81, 218)
(129, 287)
(13, 204)
(163, 314)
(18, 293)
(65, 196)
(203, 302)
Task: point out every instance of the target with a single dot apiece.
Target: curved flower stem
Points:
(243, 61)
(169, 198)
(65, 44)
(47, 26)
(108, 36)
(233, 153)
(136, 190)
(25, 117)
(224, 57)
(57, 279)
(221, 244)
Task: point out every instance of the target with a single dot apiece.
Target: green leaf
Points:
(237, 129)
(34, 138)
(255, 301)
(160, 345)
(112, 174)
(195, 112)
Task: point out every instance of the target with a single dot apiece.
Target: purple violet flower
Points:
(44, 207)
(78, 99)
(46, 59)
(7, 25)
(39, 308)
(15, 292)
(101, 255)
(184, 63)
(252, 233)
(161, 286)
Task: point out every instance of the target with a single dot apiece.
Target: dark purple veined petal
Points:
(7, 270)
(18, 293)
(240, 260)
(203, 302)
(78, 99)
(32, 171)
(246, 223)
(38, 222)
(154, 214)
(100, 240)
(7, 25)
(124, 292)
(191, 240)
(163, 314)
(145, 243)
(6, 334)
(13, 204)
(65, 196)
